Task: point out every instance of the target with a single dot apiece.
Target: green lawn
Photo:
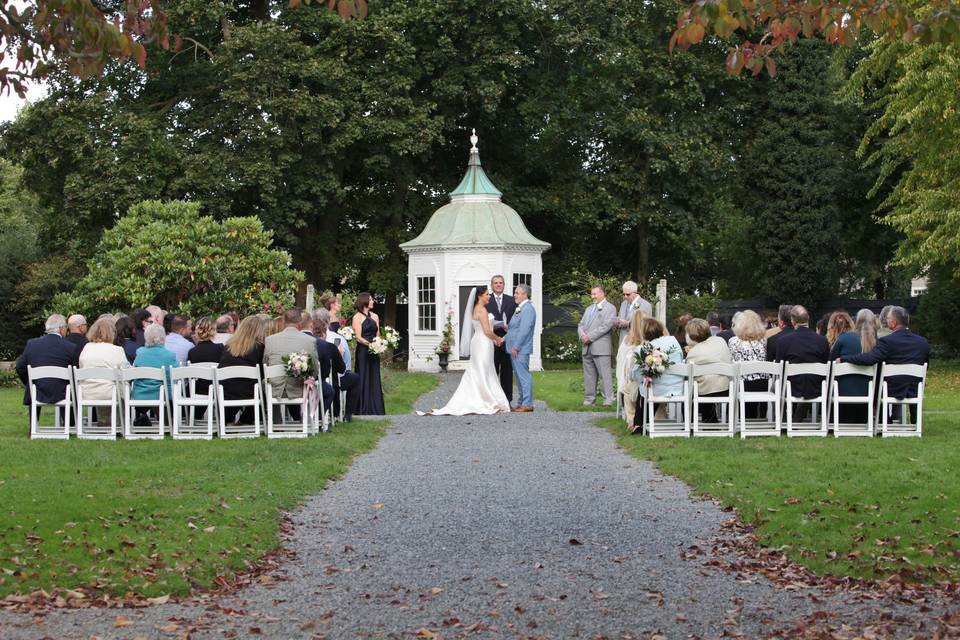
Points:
(561, 387)
(401, 389)
(159, 517)
(848, 506)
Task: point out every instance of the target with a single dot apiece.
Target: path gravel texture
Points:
(509, 526)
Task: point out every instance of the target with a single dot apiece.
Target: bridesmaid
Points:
(366, 327)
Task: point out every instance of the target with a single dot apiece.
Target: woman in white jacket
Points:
(101, 352)
(706, 348)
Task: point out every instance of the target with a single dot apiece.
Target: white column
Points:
(662, 301)
(309, 303)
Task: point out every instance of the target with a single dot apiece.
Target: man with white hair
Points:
(77, 331)
(225, 329)
(632, 302)
(50, 350)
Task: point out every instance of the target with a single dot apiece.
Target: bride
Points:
(479, 391)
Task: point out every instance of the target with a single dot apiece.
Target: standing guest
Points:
(802, 345)
(632, 303)
(334, 364)
(680, 333)
(626, 385)
(244, 349)
(125, 337)
(50, 350)
(366, 327)
(594, 330)
(502, 306)
(332, 303)
(727, 323)
(151, 354)
(282, 343)
(141, 320)
(901, 346)
(713, 319)
(225, 327)
(748, 345)
(101, 351)
(77, 330)
(785, 324)
(706, 348)
(206, 350)
(885, 329)
(844, 340)
(177, 340)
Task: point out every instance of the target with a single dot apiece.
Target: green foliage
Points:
(940, 308)
(561, 347)
(166, 253)
(19, 213)
(697, 305)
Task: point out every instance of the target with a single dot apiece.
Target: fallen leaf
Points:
(209, 529)
(122, 622)
(159, 600)
(436, 590)
(425, 633)
(575, 542)
(378, 505)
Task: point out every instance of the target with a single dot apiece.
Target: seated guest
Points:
(713, 319)
(50, 350)
(244, 349)
(680, 333)
(626, 385)
(141, 320)
(772, 324)
(343, 346)
(151, 354)
(101, 351)
(653, 332)
(77, 330)
(866, 325)
(331, 357)
(707, 349)
(206, 350)
(845, 340)
(283, 343)
(901, 346)
(125, 337)
(177, 340)
(332, 303)
(803, 345)
(785, 326)
(727, 323)
(749, 345)
(157, 314)
(822, 324)
(225, 329)
(884, 329)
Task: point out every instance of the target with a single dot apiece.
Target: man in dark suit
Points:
(901, 346)
(77, 331)
(786, 328)
(502, 306)
(330, 358)
(803, 345)
(726, 322)
(51, 350)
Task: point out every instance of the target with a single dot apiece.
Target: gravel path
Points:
(523, 525)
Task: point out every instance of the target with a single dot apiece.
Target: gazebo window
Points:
(426, 303)
(524, 278)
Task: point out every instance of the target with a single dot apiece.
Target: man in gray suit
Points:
(290, 340)
(594, 330)
(632, 302)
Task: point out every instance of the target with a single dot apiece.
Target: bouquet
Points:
(378, 345)
(443, 349)
(299, 366)
(347, 333)
(391, 336)
(652, 361)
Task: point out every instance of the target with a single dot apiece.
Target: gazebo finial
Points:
(473, 140)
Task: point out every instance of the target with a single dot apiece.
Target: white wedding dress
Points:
(479, 391)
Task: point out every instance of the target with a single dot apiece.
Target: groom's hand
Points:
(513, 352)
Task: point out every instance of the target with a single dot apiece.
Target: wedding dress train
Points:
(479, 391)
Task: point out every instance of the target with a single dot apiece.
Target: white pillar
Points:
(662, 301)
(309, 303)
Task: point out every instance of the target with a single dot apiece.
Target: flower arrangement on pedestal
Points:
(446, 342)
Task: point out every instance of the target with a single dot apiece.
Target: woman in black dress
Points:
(366, 326)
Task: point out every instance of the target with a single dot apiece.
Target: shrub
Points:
(166, 253)
(939, 310)
(560, 347)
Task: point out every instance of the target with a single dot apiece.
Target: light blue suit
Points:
(520, 337)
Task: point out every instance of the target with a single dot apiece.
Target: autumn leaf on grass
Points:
(122, 622)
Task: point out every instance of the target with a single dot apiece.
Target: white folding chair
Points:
(867, 401)
(284, 428)
(725, 405)
(343, 400)
(680, 426)
(152, 431)
(819, 405)
(772, 423)
(236, 430)
(87, 427)
(887, 402)
(61, 428)
(185, 406)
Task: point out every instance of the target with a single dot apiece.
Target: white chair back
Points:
(277, 407)
(725, 405)
(229, 429)
(184, 406)
(87, 428)
(769, 399)
(889, 404)
(131, 375)
(680, 425)
(819, 405)
(61, 428)
(839, 402)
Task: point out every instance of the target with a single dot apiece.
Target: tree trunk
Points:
(643, 252)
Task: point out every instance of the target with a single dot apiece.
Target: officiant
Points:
(502, 306)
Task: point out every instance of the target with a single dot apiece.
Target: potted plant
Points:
(446, 343)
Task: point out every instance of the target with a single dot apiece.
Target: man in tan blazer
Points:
(594, 330)
(290, 340)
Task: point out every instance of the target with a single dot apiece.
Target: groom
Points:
(520, 345)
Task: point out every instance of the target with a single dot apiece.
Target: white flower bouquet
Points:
(378, 345)
(347, 333)
(652, 361)
(391, 336)
(299, 365)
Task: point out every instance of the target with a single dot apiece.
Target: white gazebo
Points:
(466, 242)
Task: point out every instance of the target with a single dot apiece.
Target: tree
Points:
(19, 212)
(779, 23)
(167, 253)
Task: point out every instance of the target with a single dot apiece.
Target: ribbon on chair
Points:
(311, 399)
